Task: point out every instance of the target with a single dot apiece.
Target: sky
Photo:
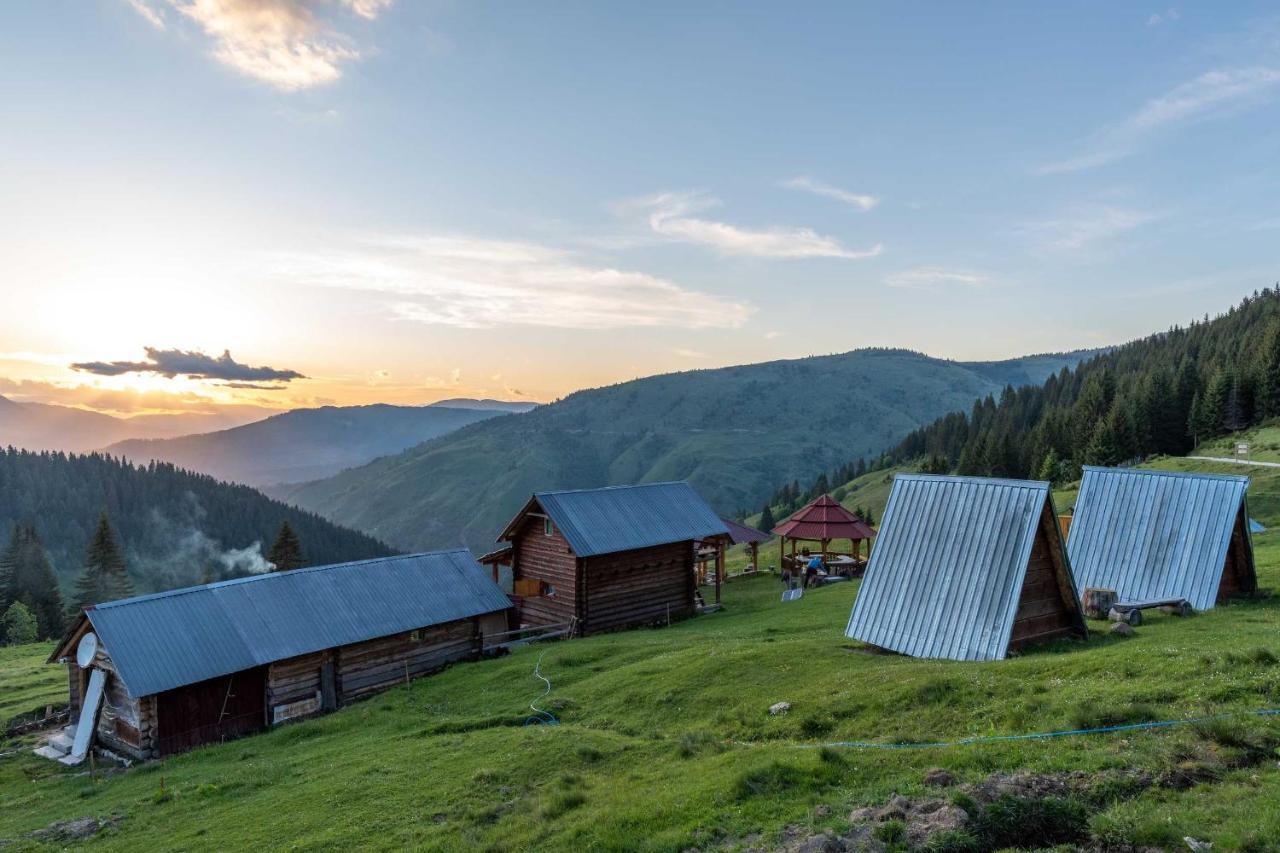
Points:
(281, 203)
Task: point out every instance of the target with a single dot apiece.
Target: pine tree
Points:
(105, 576)
(766, 519)
(30, 580)
(286, 553)
(18, 625)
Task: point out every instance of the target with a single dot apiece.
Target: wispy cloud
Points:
(1212, 94)
(283, 43)
(1082, 227)
(936, 278)
(809, 185)
(1168, 16)
(149, 13)
(195, 365)
(472, 282)
(672, 215)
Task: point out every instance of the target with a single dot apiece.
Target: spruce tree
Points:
(766, 519)
(30, 579)
(105, 576)
(286, 553)
(1268, 397)
(1214, 400)
(1104, 448)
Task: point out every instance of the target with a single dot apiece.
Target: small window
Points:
(415, 636)
(547, 529)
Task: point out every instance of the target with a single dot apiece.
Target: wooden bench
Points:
(1131, 611)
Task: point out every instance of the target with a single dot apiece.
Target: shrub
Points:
(1030, 823)
(562, 802)
(814, 727)
(954, 841)
(18, 625)
(1088, 715)
(778, 778)
(892, 832)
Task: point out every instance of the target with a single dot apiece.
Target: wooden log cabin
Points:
(615, 557)
(1157, 535)
(966, 568)
(209, 663)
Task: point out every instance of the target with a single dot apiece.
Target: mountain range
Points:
(43, 426)
(735, 433)
(306, 444)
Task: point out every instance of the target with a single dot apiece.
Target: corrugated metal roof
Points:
(946, 573)
(169, 639)
(739, 533)
(824, 518)
(619, 518)
(1154, 534)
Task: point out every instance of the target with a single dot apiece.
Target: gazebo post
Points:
(755, 557)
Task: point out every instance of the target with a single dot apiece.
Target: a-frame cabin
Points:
(966, 568)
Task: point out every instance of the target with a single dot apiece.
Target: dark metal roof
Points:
(620, 518)
(1155, 534)
(946, 573)
(739, 533)
(824, 518)
(158, 642)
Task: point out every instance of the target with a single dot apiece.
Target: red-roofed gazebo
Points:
(824, 520)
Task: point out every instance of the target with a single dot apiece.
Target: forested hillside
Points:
(735, 433)
(175, 528)
(1160, 395)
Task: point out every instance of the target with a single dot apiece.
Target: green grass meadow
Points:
(665, 739)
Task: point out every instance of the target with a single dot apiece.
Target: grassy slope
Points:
(666, 741)
(26, 684)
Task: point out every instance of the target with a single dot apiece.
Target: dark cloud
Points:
(197, 365)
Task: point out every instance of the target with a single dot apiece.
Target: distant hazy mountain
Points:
(305, 444)
(735, 433)
(486, 405)
(41, 426)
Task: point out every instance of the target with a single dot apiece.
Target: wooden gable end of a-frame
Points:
(1048, 607)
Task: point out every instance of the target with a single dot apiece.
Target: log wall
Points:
(537, 556)
(637, 587)
(296, 679)
(1046, 609)
(121, 727)
(375, 665)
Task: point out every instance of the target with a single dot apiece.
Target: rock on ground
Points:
(1123, 629)
(779, 708)
(75, 830)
